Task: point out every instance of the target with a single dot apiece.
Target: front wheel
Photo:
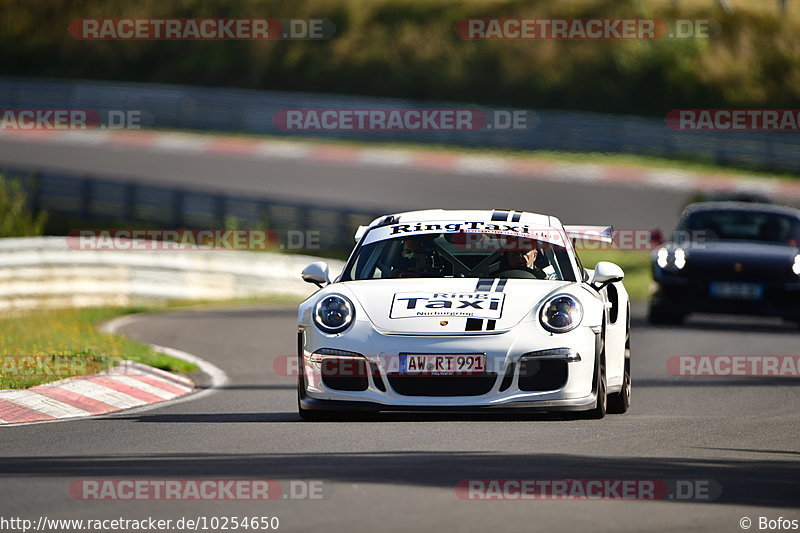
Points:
(620, 402)
(601, 404)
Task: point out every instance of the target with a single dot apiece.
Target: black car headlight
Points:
(561, 314)
(333, 313)
(796, 265)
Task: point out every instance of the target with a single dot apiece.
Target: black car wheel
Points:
(620, 402)
(601, 404)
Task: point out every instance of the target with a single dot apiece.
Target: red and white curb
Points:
(127, 386)
(381, 157)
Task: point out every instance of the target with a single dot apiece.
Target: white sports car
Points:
(465, 310)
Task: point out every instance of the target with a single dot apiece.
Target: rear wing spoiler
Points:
(590, 233)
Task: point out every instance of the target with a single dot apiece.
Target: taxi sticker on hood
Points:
(448, 304)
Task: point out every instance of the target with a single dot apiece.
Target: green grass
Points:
(61, 343)
(67, 342)
(635, 264)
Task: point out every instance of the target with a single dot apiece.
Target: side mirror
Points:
(317, 273)
(605, 273)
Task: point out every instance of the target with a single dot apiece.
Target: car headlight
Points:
(679, 258)
(675, 259)
(796, 266)
(333, 313)
(561, 314)
(662, 257)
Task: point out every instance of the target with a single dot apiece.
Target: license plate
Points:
(442, 364)
(737, 291)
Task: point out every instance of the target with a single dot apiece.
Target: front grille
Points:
(344, 373)
(508, 378)
(541, 375)
(376, 377)
(442, 385)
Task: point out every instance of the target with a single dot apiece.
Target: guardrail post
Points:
(86, 197)
(130, 201)
(220, 212)
(178, 197)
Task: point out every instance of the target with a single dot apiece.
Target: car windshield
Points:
(460, 255)
(736, 225)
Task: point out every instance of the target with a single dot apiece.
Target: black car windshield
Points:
(741, 225)
(460, 255)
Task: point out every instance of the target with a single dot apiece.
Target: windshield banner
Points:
(539, 233)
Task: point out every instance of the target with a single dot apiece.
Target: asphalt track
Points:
(398, 473)
(574, 201)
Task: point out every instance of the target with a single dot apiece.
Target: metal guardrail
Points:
(39, 272)
(215, 109)
(91, 198)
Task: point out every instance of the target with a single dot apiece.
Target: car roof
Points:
(487, 215)
(742, 206)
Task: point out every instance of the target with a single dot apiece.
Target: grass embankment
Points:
(409, 49)
(635, 264)
(49, 345)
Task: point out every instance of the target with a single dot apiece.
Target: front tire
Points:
(620, 402)
(601, 404)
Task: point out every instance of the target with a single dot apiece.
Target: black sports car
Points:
(729, 257)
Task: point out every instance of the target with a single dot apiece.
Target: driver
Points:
(408, 266)
(522, 260)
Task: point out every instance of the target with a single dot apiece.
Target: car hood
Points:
(740, 260)
(742, 250)
(449, 306)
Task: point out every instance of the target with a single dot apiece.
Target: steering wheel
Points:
(517, 273)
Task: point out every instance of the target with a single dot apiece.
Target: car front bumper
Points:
(679, 294)
(507, 358)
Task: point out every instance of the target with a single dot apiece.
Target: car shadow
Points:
(764, 483)
(355, 417)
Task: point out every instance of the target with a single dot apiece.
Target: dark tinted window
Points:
(728, 225)
(447, 255)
